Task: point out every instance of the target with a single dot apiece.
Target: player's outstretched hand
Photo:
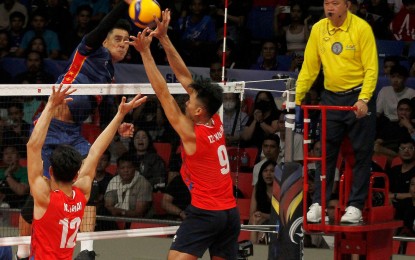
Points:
(126, 130)
(60, 96)
(124, 107)
(142, 41)
(163, 25)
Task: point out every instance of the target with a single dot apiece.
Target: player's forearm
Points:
(176, 62)
(38, 136)
(157, 81)
(106, 137)
(95, 38)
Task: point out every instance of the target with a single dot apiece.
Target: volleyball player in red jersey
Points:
(212, 220)
(59, 203)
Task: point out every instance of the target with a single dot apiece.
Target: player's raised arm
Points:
(39, 186)
(88, 168)
(180, 123)
(95, 38)
(176, 62)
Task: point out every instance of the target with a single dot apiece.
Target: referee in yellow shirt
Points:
(345, 46)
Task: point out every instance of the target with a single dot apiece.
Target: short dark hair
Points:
(18, 105)
(273, 137)
(18, 15)
(81, 8)
(108, 154)
(405, 101)
(400, 70)
(126, 157)
(210, 94)
(66, 162)
(392, 58)
(122, 24)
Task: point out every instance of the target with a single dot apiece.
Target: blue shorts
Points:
(60, 132)
(216, 230)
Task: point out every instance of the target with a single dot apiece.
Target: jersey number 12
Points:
(69, 228)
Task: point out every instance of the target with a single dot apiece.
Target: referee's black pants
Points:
(361, 133)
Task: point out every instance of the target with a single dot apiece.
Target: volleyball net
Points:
(21, 104)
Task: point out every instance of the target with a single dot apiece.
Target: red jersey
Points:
(207, 172)
(54, 235)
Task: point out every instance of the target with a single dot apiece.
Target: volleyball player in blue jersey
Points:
(92, 62)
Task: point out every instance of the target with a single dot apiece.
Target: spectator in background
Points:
(6, 8)
(403, 24)
(401, 175)
(14, 185)
(59, 19)
(128, 194)
(16, 130)
(262, 122)
(176, 197)
(148, 163)
(271, 150)
(267, 60)
(38, 44)
(102, 179)
(412, 69)
(296, 33)
(236, 17)
(197, 35)
(38, 22)
(83, 26)
(35, 73)
(406, 212)
(388, 63)
(390, 133)
(231, 55)
(378, 14)
(99, 8)
(215, 72)
(260, 209)
(4, 44)
(234, 120)
(16, 31)
(395, 5)
(388, 97)
(151, 118)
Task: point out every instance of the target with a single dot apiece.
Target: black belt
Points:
(347, 92)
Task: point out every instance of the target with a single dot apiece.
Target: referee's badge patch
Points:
(337, 48)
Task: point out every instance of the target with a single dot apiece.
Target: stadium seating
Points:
(389, 48)
(164, 151)
(244, 206)
(157, 199)
(244, 183)
(380, 160)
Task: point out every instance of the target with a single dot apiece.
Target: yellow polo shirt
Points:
(348, 54)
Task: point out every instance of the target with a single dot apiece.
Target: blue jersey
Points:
(87, 66)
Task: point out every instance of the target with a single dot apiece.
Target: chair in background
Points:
(389, 48)
(112, 168)
(157, 199)
(244, 206)
(396, 161)
(235, 154)
(243, 181)
(164, 151)
(380, 160)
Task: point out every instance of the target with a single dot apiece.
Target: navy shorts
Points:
(216, 230)
(60, 132)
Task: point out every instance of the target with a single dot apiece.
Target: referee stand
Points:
(373, 238)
